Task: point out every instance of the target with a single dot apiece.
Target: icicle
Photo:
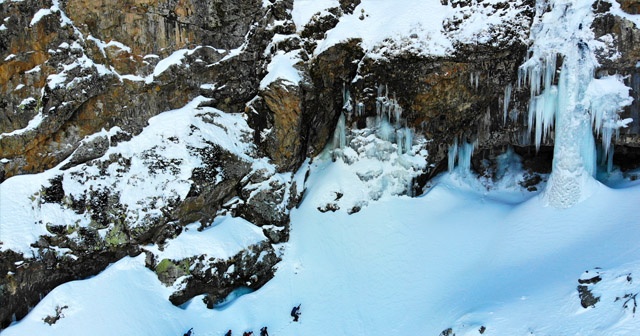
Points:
(399, 141)
(385, 130)
(506, 101)
(464, 157)
(387, 109)
(543, 102)
(408, 141)
(397, 111)
(339, 135)
(452, 155)
(477, 80)
(459, 157)
(607, 96)
(610, 159)
(346, 98)
(359, 108)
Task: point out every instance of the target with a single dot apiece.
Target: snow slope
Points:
(457, 256)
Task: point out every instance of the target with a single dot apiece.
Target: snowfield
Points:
(457, 257)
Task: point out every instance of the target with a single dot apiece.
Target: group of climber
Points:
(263, 332)
(295, 313)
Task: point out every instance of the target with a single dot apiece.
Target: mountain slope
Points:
(457, 257)
(261, 154)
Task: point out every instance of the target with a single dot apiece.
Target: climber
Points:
(188, 333)
(228, 333)
(247, 333)
(295, 313)
(263, 331)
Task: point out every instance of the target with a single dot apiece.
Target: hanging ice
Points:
(604, 98)
(339, 135)
(543, 101)
(400, 141)
(359, 108)
(452, 155)
(346, 100)
(459, 157)
(578, 102)
(397, 112)
(464, 157)
(408, 140)
(385, 130)
(505, 102)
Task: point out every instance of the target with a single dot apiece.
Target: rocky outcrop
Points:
(277, 118)
(103, 63)
(159, 27)
(458, 96)
(251, 268)
(630, 6)
(25, 282)
(445, 99)
(622, 37)
(586, 282)
(107, 219)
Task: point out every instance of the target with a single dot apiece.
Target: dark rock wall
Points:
(94, 101)
(623, 58)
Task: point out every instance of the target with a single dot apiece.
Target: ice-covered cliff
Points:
(181, 136)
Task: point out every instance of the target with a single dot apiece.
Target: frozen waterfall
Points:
(577, 104)
(459, 157)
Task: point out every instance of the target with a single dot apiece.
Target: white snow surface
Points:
(388, 19)
(225, 238)
(303, 10)
(457, 256)
(415, 26)
(39, 15)
(33, 124)
(281, 67)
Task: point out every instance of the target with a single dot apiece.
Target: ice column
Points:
(505, 102)
(459, 157)
(579, 102)
(408, 140)
(340, 134)
(385, 130)
(400, 141)
(452, 155)
(574, 151)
